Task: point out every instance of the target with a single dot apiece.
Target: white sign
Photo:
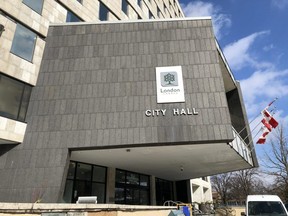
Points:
(169, 82)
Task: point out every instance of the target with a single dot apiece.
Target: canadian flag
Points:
(269, 118)
(266, 124)
(262, 138)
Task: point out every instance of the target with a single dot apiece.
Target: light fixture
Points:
(2, 29)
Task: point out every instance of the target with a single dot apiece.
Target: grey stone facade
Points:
(95, 83)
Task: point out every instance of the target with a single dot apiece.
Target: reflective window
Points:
(164, 191)
(85, 180)
(71, 17)
(14, 98)
(132, 188)
(151, 15)
(83, 171)
(125, 6)
(23, 43)
(103, 12)
(35, 5)
(139, 2)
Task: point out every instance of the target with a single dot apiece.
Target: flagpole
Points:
(257, 117)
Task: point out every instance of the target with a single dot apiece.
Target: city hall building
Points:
(128, 111)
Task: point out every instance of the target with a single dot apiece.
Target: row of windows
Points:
(37, 6)
(14, 98)
(130, 187)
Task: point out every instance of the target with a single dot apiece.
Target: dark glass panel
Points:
(82, 188)
(144, 180)
(67, 197)
(23, 43)
(99, 174)
(120, 176)
(125, 6)
(132, 178)
(98, 189)
(71, 17)
(139, 2)
(132, 196)
(10, 97)
(71, 170)
(24, 103)
(119, 195)
(144, 197)
(35, 5)
(103, 12)
(84, 172)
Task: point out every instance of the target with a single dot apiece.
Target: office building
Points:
(125, 110)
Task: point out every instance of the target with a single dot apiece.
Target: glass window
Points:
(14, 98)
(164, 191)
(144, 180)
(84, 171)
(132, 178)
(80, 1)
(103, 12)
(71, 17)
(99, 174)
(71, 170)
(125, 6)
(83, 180)
(139, 2)
(120, 176)
(98, 189)
(151, 15)
(23, 43)
(134, 190)
(67, 197)
(158, 12)
(35, 5)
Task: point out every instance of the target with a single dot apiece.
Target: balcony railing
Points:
(241, 147)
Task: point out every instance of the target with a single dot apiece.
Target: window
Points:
(132, 188)
(14, 98)
(125, 6)
(23, 43)
(103, 12)
(139, 2)
(80, 1)
(164, 191)
(35, 5)
(85, 180)
(71, 17)
(158, 12)
(151, 15)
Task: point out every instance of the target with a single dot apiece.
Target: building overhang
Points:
(11, 131)
(170, 162)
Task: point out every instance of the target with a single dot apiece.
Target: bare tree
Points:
(276, 162)
(222, 185)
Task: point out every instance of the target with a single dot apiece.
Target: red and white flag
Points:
(269, 118)
(266, 124)
(261, 140)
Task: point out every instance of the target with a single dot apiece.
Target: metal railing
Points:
(241, 147)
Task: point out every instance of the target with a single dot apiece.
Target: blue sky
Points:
(253, 35)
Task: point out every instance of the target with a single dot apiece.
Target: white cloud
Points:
(200, 9)
(238, 56)
(263, 86)
(280, 4)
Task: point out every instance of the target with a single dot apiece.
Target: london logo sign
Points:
(169, 82)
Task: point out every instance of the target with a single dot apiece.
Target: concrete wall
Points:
(95, 84)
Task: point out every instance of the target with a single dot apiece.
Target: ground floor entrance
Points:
(112, 185)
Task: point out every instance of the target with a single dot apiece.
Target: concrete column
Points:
(110, 187)
(152, 190)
